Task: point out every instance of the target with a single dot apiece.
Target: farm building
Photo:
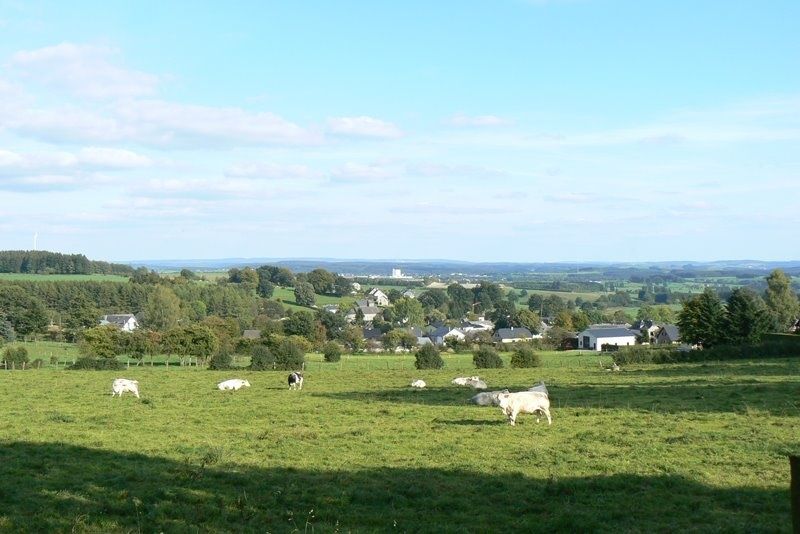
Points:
(380, 298)
(124, 321)
(513, 335)
(594, 338)
(668, 334)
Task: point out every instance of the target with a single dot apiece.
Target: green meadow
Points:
(684, 447)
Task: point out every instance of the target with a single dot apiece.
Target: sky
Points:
(484, 130)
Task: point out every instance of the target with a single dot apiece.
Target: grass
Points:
(286, 296)
(63, 277)
(699, 447)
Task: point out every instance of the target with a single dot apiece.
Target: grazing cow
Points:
(295, 380)
(234, 384)
(464, 380)
(418, 384)
(540, 388)
(121, 385)
(488, 398)
(512, 404)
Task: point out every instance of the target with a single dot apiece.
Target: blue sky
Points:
(539, 130)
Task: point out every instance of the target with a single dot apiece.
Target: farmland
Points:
(653, 448)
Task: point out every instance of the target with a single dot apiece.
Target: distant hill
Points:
(44, 262)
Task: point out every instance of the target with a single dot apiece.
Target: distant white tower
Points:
(397, 273)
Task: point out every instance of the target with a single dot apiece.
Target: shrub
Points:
(289, 356)
(647, 354)
(221, 360)
(262, 358)
(428, 358)
(15, 357)
(38, 363)
(97, 364)
(332, 351)
(525, 357)
(487, 358)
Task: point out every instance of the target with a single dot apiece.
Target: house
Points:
(646, 325)
(478, 325)
(441, 334)
(380, 298)
(369, 312)
(331, 308)
(409, 294)
(514, 335)
(596, 336)
(124, 321)
(251, 334)
(667, 335)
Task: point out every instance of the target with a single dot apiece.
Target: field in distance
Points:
(697, 447)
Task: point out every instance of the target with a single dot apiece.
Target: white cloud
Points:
(86, 159)
(477, 120)
(363, 127)
(361, 172)
(83, 70)
(270, 171)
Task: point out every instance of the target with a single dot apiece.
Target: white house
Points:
(380, 298)
(443, 333)
(124, 321)
(594, 338)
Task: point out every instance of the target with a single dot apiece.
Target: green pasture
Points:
(685, 447)
(63, 277)
(286, 296)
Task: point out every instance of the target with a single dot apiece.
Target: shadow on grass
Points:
(51, 487)
(735, 368)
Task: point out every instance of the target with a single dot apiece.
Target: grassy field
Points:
(690, 447)
(63, 277)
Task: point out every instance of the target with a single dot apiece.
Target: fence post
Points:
(794, 464)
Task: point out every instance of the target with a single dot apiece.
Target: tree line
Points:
(43, 262)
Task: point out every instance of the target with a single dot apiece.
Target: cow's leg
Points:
(547, 413)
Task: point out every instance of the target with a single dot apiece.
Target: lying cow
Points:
(418, 384)
(121, 385)
(488, 398)
(512, 404)
(471, 381)
(234, 384)
(295, 381)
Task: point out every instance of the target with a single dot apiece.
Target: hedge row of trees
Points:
(43, 262)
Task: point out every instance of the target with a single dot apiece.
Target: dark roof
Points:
(513, 333)
(671, 332)
(646, 323)
(372, 333)
(118, 319)
(441, 331)
(609, 332)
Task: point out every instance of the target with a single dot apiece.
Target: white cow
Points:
(295, 380)
(540, 388)
(234, 384)
(512, 404)
(418, 384)
(121, 385)
(488, 398)
(471, 381)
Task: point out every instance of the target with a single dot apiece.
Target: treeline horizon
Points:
(45, 262)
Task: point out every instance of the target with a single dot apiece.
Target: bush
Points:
(38, 363)
(289, 356)
(97, 364)
(332, 352)
(428, 358)
(487, 358)
(261, 358)
(221, 360)
(647, 354)
(525, 357)
(15, 357)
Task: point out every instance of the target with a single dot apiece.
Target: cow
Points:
(487, 398)
(234, 384)
(512, 404)
(471, 381)
(121, 385)
(295, 380)
(418, 384)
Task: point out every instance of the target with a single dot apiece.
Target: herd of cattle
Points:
(536, 400)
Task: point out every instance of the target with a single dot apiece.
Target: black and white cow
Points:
(295, 380)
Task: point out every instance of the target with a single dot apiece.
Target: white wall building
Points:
(595, 338)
